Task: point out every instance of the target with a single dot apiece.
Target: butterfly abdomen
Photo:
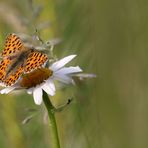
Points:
(19, 60)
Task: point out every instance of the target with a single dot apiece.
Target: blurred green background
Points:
(110, 38)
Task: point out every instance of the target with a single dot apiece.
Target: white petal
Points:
(63, 78)
(37, 95)
(59, 64)
(51, 83)
(7, 90)
(85, 75)
(46, 87)
(30, 90)
(2, 84)
(69, 70)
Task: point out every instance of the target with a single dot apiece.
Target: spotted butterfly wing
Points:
(13, 77)
(12, 45)
(3, 66)
(35, 60)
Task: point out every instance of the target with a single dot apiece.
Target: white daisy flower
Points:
(43, 79)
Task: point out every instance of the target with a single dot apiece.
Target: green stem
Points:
(52, 121)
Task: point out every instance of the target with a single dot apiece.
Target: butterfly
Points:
(18, 59)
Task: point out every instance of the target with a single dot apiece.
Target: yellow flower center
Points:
(35, 77)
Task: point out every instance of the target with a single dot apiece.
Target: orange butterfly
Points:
(18, 59)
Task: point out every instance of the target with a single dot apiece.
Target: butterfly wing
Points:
(13, 45)
(35, 60)
(13, 77)
(3, 68)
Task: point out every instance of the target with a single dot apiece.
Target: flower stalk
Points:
(52, 121)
